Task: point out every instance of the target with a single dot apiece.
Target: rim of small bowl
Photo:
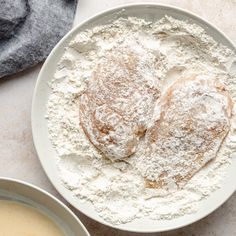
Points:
(46, 194)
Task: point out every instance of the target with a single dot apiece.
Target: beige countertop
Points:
(18, 158)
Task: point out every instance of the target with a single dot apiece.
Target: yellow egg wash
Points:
(17, 219)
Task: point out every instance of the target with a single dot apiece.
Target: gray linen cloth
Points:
(29, 29)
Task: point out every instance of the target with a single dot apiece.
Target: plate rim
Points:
(118, 8)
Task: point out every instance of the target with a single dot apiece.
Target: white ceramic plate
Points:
(15, 190)
(47, 154)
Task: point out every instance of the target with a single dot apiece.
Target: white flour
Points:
(117, 189)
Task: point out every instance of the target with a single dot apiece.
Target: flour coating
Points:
(117, 189)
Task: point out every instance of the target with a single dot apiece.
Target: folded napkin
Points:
(29, 29)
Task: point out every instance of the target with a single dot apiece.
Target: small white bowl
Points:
(47, 154)
(19, 191)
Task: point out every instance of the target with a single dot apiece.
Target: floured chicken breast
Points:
(119, 101)
(193, 123)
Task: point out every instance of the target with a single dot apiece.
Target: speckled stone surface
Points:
(18, 158)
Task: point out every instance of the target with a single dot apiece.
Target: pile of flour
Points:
(117, 189)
